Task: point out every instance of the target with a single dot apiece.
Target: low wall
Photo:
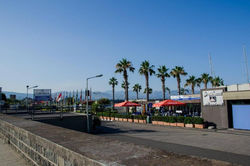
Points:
(41, 151)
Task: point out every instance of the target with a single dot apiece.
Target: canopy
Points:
(168, 103)
(127, 104)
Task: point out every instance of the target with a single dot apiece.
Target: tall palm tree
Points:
(193, 82)
(113, 82)
(150, 90)
(217, 81)
(123, 85)
(162, 74)
(137, 89)
(123, 67)
(169, 91)
(205, 79)
(147, 70)
(177, 72)
(184, 91)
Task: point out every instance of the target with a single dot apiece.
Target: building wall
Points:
(217, 114)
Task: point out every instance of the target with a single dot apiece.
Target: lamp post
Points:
(27, 106)
(87, 101)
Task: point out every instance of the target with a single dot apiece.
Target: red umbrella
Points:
(127, 104)
(168, 103)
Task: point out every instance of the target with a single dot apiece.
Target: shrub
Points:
(180, 119)
(188, 120)
(198, 120)
(172, 119)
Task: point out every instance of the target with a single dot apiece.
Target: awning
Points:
(168, 103)
(127, 104)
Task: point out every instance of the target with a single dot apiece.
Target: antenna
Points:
(211, 65)
(245, 57)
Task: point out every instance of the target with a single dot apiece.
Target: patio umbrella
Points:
(168, 103)
(127, 104)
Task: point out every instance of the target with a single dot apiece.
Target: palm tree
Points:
(123, 85)
(184, 91)
(205, 79)
(193, 82)
(176, 73)
(162, 74)
(137, 89)
(217, 81)
(123, 67)
(147, 70)
(148, 91)
(169, 91)
(113, 82)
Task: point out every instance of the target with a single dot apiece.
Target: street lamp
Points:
(28, 87)
(87, 101)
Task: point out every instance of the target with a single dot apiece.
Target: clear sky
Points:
(58, 44)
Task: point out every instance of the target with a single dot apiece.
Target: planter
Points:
(142, 121)
(136, 120)
(155, 122)
(112, 118)
(117, 119)
(189, 125)
(120, 119)
(101, 117)
(166, 124)
(199, 126)
(124, 119)
(130, 120)
(172, 124)
(161, 123)
(180, 124)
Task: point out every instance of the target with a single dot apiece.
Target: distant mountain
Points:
(119, 95)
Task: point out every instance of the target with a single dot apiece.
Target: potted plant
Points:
(112, 116)
(155, 120)
(142, 119)
(136, 118)
(172, 121)
(180, 121)
(130, 118)
(199, 122)
(166, 121)
(188, 122)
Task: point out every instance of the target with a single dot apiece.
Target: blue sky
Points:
(58, 44)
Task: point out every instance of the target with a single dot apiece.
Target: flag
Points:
(59, 97)
(81, 97)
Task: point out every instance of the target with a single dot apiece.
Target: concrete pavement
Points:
(225, 145)
(9, 157)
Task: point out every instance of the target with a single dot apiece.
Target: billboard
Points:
(42, 94)
(212, 97)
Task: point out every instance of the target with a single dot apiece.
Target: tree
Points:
(147, 70)
(162, 74)
(192, 81)
(113, 82)
(177, 72)
(137, 89)
(149, 90)
(169, 91)
(123, 85)
(217, 81)
(205, 79)
(123, 67)
(184, 91)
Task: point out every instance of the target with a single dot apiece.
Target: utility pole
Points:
(211, 65)
(246, 64)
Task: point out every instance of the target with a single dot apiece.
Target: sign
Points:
(42, 94)
(186, 97)
(212, 97)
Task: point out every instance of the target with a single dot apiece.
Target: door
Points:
(241, 117)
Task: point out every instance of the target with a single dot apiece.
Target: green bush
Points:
(188, 120)
(172, 119)
(198, 120)
(180, 119)
(140, 117)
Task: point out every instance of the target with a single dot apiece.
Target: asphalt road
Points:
(224, 145)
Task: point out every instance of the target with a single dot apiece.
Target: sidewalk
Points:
(9, 157)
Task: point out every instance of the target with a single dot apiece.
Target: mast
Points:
(211, 65)
(246, 64)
